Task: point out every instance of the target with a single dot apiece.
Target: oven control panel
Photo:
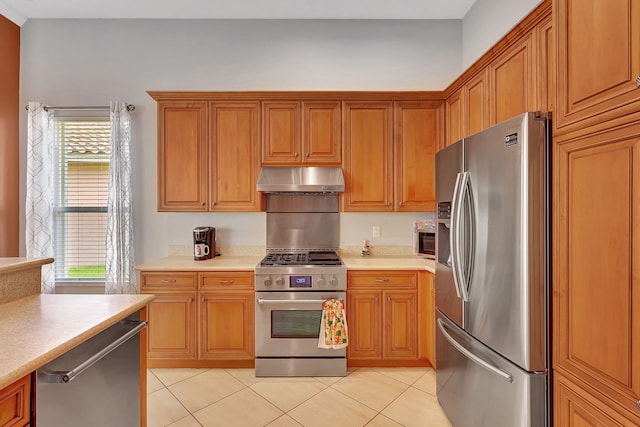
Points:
(300, 282)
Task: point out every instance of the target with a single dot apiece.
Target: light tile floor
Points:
(372, 397)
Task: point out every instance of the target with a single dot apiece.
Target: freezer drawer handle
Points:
(66, 376)
(506, 376)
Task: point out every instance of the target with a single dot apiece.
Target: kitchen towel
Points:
(333, 325)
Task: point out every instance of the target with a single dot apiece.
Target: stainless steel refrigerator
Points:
(492, 276)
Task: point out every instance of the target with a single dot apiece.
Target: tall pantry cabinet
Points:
(596, 213)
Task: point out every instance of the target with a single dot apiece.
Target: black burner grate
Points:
(301, 258)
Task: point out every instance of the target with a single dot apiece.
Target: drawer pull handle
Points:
(168, 281)
(638, 86)
(381, 280)
(226, 281)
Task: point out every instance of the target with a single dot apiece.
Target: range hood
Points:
(309, 179)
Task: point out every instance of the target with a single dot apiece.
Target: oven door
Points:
(288, 324)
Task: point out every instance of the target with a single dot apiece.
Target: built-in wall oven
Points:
(301, 270)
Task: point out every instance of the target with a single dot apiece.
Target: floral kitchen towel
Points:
(333, 325)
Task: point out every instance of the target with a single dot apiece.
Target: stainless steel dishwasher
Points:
(96, 383)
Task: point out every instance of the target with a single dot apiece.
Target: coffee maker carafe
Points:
(204, 243)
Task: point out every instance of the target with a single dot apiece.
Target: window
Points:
(82, 154)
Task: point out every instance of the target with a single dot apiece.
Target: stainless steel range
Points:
(301, 271)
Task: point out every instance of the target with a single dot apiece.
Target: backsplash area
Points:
(246, 233)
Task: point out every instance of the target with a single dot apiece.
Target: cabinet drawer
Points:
(15, 401)
(226, 280)
(165, 281)
(381, 278)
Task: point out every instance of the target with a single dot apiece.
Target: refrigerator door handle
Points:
(453, 234)
(456, 248)
(504, 375)
(465, 270)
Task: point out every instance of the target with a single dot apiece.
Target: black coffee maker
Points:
(204, 243)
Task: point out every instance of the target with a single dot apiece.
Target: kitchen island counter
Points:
(37, 329)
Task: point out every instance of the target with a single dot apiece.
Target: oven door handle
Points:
(295, 301)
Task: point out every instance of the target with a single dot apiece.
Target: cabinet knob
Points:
(638, 86)
(202, 299)
(401, 203)
(375, 299)
(388, 299)
(638, 402)
(202, 204)
(388, 203)
(306, 154)
(213, 204)
(190, 299)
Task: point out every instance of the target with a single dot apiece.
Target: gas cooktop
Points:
(311, 258)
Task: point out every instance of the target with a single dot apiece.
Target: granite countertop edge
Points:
(9, 264)
(36, 342)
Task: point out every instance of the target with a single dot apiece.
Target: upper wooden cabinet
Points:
(476, 105)
(598, 48)
(301, 133)
(454, 118)
(418, 127)
(235, 158)
(182, 156)
(368, 156)
(208, 165)
(512, 82)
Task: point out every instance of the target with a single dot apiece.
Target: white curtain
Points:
(120, 272)
(40, 190)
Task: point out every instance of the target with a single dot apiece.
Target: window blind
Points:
(82, 154)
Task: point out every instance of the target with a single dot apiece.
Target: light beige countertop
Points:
(388, 262)
(247, 263)
(39, 328)
(187, 263)
(10, 264)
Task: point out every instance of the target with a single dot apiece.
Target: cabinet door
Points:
(545, 66)
(321, 136)
(364, 318)
(454, 118)
(476, 108)
(182, 156)
(400, 320)
(172, 326)
(597, 270)
(281, 133)
(368, 156)
(511, 83)
(598, 46)
(15, 403)
(575, 407)
(235, 158)
(418, 128)
(226, 320)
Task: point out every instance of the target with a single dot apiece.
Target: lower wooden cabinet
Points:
(382, 315)
(15, 403)
(172, 326)
(226, 325)
(200, 319)
(577, 407)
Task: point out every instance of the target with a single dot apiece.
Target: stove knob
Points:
(322, 281)
(279, 281)
(267, 281)
(333, 281)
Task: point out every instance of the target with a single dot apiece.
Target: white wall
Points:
(89, 62)
(487, 22)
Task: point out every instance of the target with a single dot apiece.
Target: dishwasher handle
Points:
(56, 377)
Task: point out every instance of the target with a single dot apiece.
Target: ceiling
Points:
(21, 10)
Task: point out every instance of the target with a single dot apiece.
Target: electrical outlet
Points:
(376, 231)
